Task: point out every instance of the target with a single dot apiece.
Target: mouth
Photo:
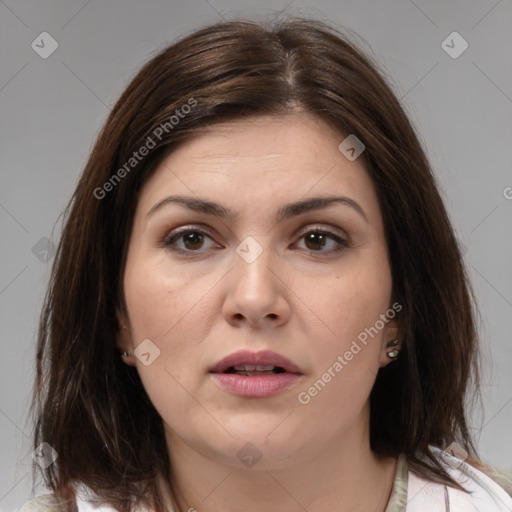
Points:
(265, 362)
(254, 370)
(255, 374)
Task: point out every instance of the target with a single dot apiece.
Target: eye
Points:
(318, 240)
(187, 240)
(190, 240)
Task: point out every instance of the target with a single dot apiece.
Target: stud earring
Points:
(126, 354)
(392, 354)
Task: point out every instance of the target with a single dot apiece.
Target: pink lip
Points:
(255, 386)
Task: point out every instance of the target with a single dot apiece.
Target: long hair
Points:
(93, 409)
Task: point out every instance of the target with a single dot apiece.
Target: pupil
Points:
(319, 238)
(193, 240)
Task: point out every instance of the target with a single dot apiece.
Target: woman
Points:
(258, 299)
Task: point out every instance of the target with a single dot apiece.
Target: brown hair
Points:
(93, 409)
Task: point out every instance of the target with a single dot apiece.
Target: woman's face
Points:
(253, 264)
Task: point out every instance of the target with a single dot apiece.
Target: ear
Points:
(392, 340)
(124, 339)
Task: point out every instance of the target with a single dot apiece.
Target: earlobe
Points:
(393, 348)
(394, 335)
(124, 340)
(390, 352)
(128, 358)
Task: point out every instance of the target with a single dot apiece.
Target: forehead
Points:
(261, 160)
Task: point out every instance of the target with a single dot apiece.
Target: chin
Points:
(268, 439)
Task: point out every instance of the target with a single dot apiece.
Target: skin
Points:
(303, 300)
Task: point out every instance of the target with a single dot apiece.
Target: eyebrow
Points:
(285, 212)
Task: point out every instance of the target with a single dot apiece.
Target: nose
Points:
(257, 294)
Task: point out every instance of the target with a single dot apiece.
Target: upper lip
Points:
(264, 357)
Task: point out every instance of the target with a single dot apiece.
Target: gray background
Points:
(51, 110)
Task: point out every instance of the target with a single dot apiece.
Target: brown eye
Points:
(323, 241)
(193, 240)
(315, 241)
(190, 240)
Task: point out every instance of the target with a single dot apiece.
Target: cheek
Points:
(347, 354)
(165, 308)
(175, 312)
(352, 300)
(162, 303)
(346, 362)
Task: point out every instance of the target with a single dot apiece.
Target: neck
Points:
(338, 476)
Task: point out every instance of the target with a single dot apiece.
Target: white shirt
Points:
(485, 495)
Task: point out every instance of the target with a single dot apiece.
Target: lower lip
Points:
(256, 387)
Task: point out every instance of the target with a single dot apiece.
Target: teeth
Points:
(253, 367)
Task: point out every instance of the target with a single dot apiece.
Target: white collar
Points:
(485, 495)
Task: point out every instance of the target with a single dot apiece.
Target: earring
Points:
(126, 354)
(392, 354)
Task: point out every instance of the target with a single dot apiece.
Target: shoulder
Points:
(85, 502)
(44, 503)
(502, 477)
(484, 493)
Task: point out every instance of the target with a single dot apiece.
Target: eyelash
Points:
(169, 240)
